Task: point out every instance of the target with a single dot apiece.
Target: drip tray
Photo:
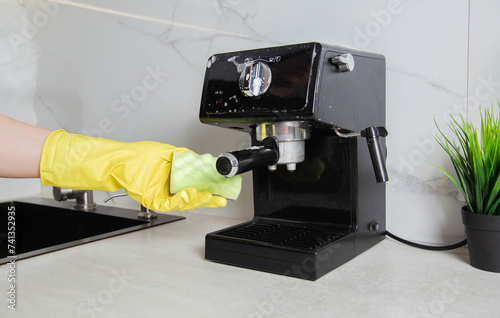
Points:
(289, 248)
(296, 237)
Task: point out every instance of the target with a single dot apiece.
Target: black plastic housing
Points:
(314, 219)
(306, 86)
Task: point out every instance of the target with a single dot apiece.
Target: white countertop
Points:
(161, 272)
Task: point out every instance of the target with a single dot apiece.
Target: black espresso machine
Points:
(316, 117)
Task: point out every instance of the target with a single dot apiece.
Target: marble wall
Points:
(18, 71)
(82, 65)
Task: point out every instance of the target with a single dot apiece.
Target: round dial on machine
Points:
(255, 78)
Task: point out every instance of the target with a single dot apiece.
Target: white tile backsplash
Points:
(133, 70)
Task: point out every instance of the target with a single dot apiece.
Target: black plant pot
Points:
(483, 240)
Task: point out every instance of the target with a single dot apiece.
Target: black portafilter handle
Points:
(373, 135)
(232, 163)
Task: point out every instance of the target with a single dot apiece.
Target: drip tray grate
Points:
(278, 234)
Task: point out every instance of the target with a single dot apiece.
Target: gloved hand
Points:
(141, 168)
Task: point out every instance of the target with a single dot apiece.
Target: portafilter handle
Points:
(373, 135)
(232, 163)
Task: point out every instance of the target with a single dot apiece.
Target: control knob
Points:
(255, 78)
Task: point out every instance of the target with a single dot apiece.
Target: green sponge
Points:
(191, 170)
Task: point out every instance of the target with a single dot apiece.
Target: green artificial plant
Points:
(476, 159)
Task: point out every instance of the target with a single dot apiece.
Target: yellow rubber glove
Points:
(141, 168)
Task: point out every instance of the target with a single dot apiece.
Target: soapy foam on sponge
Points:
(191, 170)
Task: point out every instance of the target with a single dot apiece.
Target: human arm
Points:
(20, 148)
(142, 168)
(74, 161)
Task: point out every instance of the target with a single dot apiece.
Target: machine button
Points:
(255, 78)
(373, 226)
(343, 62)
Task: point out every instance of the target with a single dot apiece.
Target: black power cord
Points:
(427, 247)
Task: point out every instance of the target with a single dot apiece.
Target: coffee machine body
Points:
(319, 204)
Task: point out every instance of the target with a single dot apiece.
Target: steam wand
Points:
(372, 135)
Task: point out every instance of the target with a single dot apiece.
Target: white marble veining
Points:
(88, 61)
(18, 72)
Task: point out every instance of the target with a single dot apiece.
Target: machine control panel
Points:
(316, 83)
(262, 81)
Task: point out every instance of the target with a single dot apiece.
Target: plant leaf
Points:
(476, 160)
